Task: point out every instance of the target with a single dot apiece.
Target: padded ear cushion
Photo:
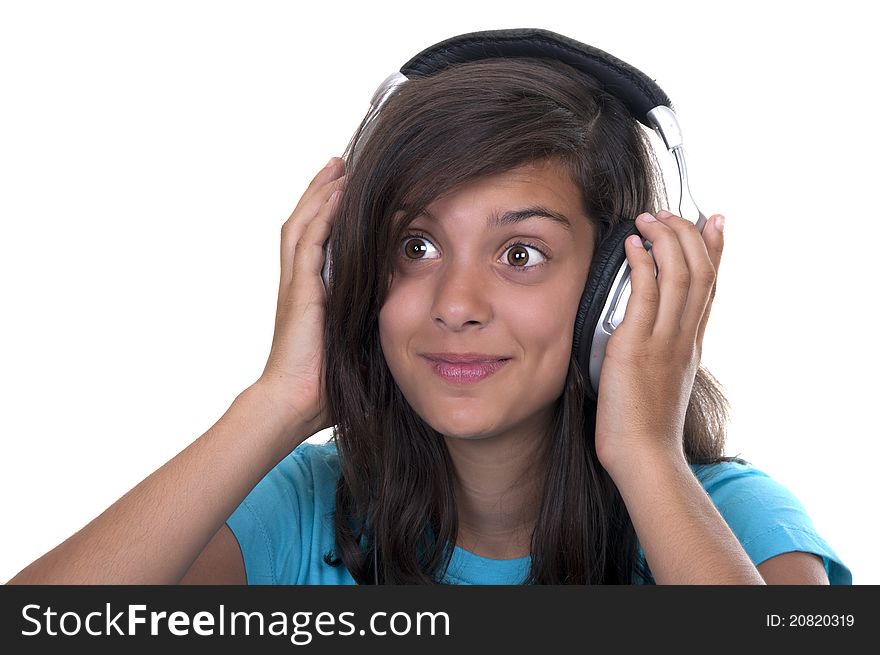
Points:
(610, 255)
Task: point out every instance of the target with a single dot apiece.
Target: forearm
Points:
(684, 537)
(155, 531)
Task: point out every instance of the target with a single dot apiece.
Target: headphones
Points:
(608, 288)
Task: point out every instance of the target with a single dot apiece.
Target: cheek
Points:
(397, 322)
(544, 325)
(387, 333)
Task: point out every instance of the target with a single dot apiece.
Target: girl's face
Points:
(481, 276)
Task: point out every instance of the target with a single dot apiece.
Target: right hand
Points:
(294, 373)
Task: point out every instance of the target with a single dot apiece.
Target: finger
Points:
(294, 228)
(644, 299)
(309, 258)
(713, 233)
(323, 184)
(316, 195)
(673, 278)
(700, 270)
(327, 174)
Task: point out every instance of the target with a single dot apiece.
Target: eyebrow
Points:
(514, 216)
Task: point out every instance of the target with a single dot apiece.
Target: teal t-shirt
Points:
(285, 525)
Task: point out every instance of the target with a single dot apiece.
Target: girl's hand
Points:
(294, 372)
(653, 356)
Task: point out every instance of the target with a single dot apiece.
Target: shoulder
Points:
(766, 517)
(737, 485)
(744, 494)
(309, 470)
(748, 496)
(315, 461)
(287, 513)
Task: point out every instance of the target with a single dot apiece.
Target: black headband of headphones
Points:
(639, 92)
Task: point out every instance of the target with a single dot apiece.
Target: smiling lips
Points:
(464, 368)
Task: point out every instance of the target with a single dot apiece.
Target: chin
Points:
(466, 436)
(465, 427)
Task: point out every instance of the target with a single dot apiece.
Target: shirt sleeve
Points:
(766, 517)
(268, 522)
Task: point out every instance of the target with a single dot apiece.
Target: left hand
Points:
(652, 357)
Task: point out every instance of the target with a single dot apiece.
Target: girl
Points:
(467, 448)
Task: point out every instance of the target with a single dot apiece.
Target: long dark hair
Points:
(396, 491)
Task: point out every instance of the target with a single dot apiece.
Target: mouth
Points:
(467, 368)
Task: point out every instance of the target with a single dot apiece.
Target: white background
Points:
(149, 153)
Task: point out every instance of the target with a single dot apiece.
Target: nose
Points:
(462, 298)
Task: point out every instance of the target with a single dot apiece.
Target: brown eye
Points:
(518, 256)
(416, 248)
(524, 257)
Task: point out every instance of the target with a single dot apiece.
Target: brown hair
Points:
(396, 491)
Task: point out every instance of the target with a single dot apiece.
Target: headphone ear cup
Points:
(610, 255)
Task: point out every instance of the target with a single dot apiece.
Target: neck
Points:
(499, 482)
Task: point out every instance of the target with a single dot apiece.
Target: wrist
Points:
(283, 425)
(643, 464)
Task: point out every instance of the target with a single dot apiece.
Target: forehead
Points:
(548, 181)
(538, 190)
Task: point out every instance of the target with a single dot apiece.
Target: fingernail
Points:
(664, 214)
(331, 162)
(646, 217)
(719, 223)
